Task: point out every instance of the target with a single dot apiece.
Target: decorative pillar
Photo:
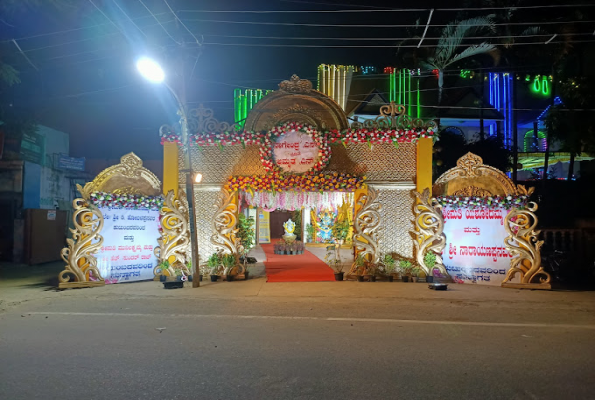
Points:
(170, 168)
(424, 164)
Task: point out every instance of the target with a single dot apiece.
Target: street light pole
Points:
(189, 188)
(153, 72)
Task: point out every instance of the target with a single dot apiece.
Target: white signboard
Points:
(475, 251)
(295, 152)
(129, 237)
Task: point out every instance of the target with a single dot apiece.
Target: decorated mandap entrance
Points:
(369, 182)
(297, 151)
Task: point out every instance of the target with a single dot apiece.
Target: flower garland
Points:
(308, 182)
(170, 137)
(129, 201)
(270, 201)
(266, 151)
(506, 202)
(332, 137)
(376, 136)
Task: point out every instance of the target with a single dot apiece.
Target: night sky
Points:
(83, 80)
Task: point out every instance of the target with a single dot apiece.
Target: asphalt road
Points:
(302, 349)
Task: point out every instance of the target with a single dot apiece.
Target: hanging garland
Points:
(128, 201)
(270, 201)
(332, 137)
(308, 182)
(506, 202)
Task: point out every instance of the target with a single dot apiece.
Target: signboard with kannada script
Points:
(129, 237)
(475, 251)
(295, 152)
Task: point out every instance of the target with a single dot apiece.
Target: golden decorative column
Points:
(175, 236)
(170, 167)
(424, 164)
(81, 264)
(225, 226)
(525, 249)
(429, 231)
(366, 224)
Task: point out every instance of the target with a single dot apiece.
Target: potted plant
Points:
(370, 271)
(213, 265)
(405, 267)
(341, 230)
(389, 266)
(334, 263)
(229, 261)
(430, 261)
(360, 263)
(300, 247)
(415, 273)
(164, 267)
(311, 231)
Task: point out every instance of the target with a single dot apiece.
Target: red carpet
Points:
(299, 268)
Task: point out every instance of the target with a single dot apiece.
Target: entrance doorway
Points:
(277, 219)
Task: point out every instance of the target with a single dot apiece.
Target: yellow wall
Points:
(424, 164)
(170, 167)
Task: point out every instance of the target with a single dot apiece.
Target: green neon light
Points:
(391, 83)
(409, 93)
(418, 105)
(545, 87)
(541, 86)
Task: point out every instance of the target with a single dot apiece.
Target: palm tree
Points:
(450, 48)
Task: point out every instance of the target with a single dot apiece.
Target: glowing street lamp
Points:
(152, 71)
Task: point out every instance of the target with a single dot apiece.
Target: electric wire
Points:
(382, 10)
(181, 22)
(371, 46)
(130, 19)
(156, 19)
(382, 25)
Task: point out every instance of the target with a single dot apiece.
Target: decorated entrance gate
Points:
(297, 148)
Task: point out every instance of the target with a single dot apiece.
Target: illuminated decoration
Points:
(467, 74)
(244, 101)
(557, 101)
(389, 70)
(366, 70)
(541, 85)
(335, 81)
(533, 143)
(402, 92)
(308, 182)
(501, 96)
